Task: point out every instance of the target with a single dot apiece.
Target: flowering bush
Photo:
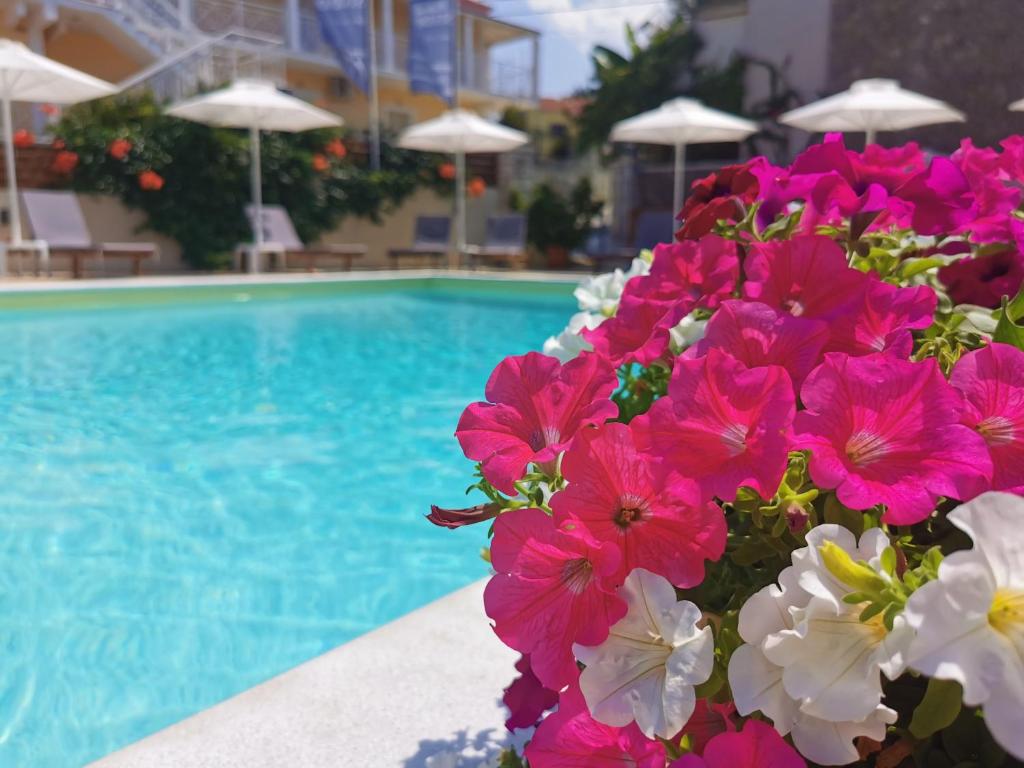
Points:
(759, 504)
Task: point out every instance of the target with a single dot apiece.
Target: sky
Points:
(571, 28)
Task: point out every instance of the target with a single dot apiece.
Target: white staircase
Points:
(187, 58)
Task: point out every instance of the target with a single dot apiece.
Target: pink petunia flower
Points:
(992, 382)
(527, 700)
(806, 276)
(941, 197)
(708, 721)
(639, 332)
(703, 271)
(571, 738)
(758, 745)
(536, 407)
(989, 175)
(882, 319)
(756, 334)
(848, 183)
(621, 496)
(887, 431)
(723, 424)
(553, 587)
(984, 280)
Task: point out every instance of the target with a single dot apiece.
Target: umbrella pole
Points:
(678, 183)
(14, 205)
(460, 206)
(869, 137)
(256, 179)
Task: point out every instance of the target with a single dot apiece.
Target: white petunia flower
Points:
(569, 343)
(810, 664)
(647, 668)
(687, 333)
(600, 294)
(970, 621)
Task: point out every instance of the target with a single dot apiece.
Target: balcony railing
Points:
(216, 17)
(479, 72)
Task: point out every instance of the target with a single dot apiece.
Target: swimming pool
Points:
(198, 496)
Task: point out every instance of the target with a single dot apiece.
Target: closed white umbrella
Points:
(259, 106)
(870, 106)
(460, 132)
(27, 76)
(678, 123)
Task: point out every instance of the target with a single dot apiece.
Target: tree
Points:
(661, 67)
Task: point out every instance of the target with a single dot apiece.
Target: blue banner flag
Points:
(345, 26)
(432, 47)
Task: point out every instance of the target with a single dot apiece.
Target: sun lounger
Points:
(504, 242)
(651, 228)
(56, 220)
(430, 240)
(280, 240)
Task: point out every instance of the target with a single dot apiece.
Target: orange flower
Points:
(119, 149)
(58, 144)
(151, 181)
(476, 187)
(24, 138)
(446, 171)
(320, 163)
(50, 110)
(336, 147)
(65, 162)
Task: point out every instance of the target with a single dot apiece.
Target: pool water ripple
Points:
(197, 498)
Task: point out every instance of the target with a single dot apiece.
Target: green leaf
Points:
(938, 709)
(839, 514)
(1007, 317)
(913, 267)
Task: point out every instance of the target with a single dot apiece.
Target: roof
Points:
(572, 106)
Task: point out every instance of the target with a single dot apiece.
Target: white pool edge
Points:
(410, 694)
(293, 278)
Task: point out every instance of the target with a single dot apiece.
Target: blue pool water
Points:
(195, 498)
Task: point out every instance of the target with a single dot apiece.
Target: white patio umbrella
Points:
(871, 106)
(259, 106)
(27, 76)
(677, 123)
(1017, 106)
(460, 132)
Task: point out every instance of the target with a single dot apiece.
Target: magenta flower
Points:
(847, 183)
(708, 721)
(620, 495)
(942, 198)
(571, 738)
(758, 745)
(756, 334)
(553, 587)
(527, 700)
(536, 407)
(984, 280)
(639, 332)
(806, 276)
(988, 173)
(992, 382)
(882, 319)
(723, 424)
(887, 431)
(702, 271)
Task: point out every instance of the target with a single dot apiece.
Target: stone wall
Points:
(965, 52)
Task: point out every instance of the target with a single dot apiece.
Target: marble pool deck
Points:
(420, 692)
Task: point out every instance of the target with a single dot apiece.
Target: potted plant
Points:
(556, 224)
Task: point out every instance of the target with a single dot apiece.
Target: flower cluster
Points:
(760, 503)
